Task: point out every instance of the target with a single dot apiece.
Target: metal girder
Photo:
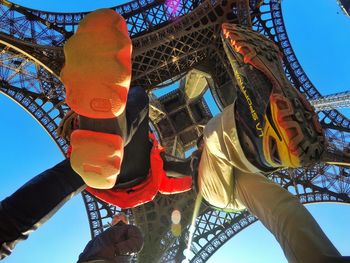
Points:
(332, 101)
(164, 49)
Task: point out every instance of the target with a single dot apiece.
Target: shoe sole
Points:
(297, 121)
(96, 158)
(97, 70)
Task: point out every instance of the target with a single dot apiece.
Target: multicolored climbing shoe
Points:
(97, 75)
(278, 126)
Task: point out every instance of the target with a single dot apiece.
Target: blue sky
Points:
(320, 35)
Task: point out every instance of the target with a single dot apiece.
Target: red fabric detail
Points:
(148, 189)
(170, 185)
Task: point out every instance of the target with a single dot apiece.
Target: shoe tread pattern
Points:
(296, 115)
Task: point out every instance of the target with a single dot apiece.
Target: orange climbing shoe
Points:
(97, 75)
(96, 158)
(97, 70)
(278, 126)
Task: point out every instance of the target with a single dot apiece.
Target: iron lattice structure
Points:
(345, 6)
(171, 43)
(332, 101)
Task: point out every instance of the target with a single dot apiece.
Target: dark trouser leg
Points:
(136, 111)
(136, 160)
(35, 202)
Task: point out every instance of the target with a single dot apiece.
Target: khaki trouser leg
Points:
(299, 235)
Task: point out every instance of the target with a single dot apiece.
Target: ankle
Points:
(111, 125)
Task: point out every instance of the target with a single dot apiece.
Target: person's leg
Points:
(97, 76)
(136, 158)
(136, 161)
(297, 232)
(35, 202)
(136, 110)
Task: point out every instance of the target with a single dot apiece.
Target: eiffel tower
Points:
(173, 44)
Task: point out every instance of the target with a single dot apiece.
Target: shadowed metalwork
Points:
(180, 45)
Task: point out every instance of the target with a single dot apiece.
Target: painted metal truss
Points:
(170, 39)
